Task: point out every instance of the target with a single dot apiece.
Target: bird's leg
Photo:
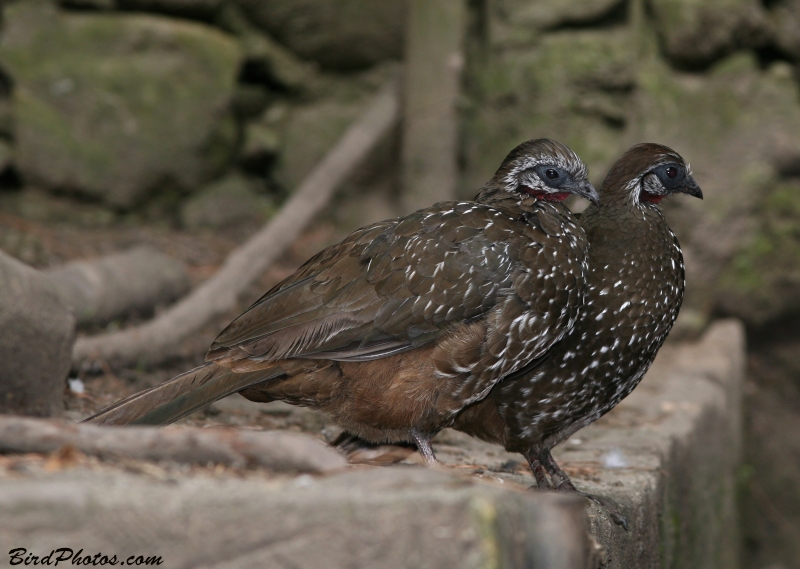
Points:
(560, 479)
(346, 441)
(564, 484)
(538, 470)
(423, 441)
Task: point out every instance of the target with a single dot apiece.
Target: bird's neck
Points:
(514, 205)
(622, 224)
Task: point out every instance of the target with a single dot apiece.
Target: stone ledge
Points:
(385, 517)
(680, 435)
(668, 455)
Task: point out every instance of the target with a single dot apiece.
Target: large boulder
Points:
(36, 337)
(695, 34)
(519, 22)
(340, 34)
(117, 107)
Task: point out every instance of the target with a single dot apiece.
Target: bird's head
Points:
(646, 174)
(543, 169)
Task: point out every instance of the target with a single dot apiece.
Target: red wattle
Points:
(546, 196)
(650, 198)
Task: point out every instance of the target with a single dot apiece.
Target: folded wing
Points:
(386, 288)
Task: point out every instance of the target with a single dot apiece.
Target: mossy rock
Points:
(260, 148)
(762, 283)
(573, 86)
(117, 107)
(227, 202)
(695, 33)
(339, 34)
(266, 61)
(521, 22)
(306, 130)
(309, 131)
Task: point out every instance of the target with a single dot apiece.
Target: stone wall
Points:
(163, 106)
(202, 112)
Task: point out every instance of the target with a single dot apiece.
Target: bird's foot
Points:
(359, 451)
(543, 460)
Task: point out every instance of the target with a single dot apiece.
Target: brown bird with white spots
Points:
(635, 289)
(399, 326)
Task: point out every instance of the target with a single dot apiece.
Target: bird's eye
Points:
(672, 171)
(552, 175)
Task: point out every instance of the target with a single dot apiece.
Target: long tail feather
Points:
(179, 396)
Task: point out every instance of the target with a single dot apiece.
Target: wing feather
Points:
(386, 288)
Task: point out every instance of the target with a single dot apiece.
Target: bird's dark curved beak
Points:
(692, 188)
(586, 190)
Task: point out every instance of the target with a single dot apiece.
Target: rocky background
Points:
(186, 123)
